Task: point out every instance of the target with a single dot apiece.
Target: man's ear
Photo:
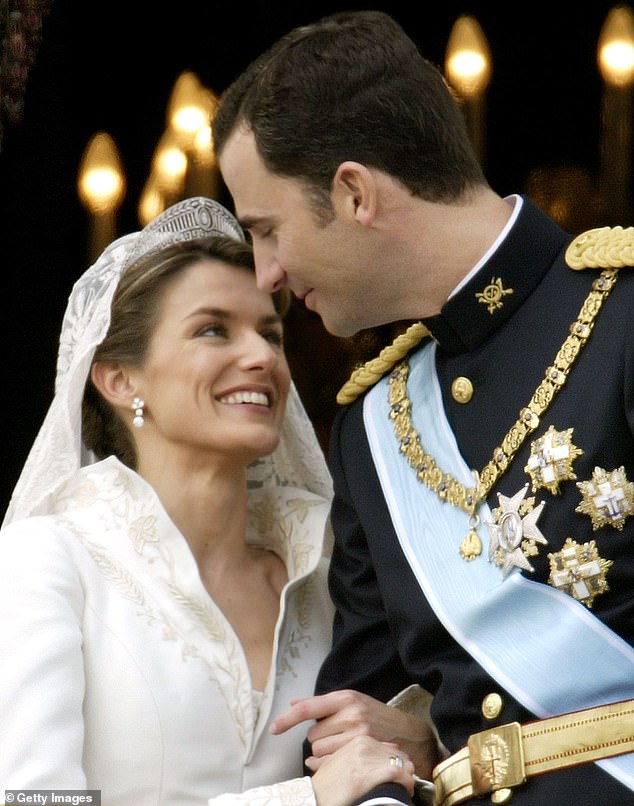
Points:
(113, 382)
(355, 192)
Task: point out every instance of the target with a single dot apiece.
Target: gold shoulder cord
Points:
(373, 370)
(599, 248)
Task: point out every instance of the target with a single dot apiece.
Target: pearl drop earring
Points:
(138, 404)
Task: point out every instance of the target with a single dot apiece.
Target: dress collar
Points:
(288, 520)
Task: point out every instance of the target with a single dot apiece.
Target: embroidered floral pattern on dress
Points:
(298, 792)
(118, 500)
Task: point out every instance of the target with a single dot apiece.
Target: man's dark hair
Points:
(352, 86)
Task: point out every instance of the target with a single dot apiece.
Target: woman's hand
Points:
(341, 778)
(341, 716)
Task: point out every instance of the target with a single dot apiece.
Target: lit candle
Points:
(101, 187)
(189, 112)
(169, 167)
(468, 70)
(202, 173)
(615, 56)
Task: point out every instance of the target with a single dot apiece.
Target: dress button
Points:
(492, 705)
(462, 390)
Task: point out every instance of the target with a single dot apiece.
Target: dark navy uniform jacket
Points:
(386, 636)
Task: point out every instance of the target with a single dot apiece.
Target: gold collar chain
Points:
(446, 487)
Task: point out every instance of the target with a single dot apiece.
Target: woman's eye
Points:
(275, 337)
(213, 330)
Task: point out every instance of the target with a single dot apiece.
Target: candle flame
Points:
(468, 58)
(616, 47)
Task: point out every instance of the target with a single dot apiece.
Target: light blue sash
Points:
(540, 644)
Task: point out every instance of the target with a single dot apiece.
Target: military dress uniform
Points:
(505, 590)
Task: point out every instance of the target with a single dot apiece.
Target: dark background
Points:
(110, 66)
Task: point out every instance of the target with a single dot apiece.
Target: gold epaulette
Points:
(602, 248)
(373, 370)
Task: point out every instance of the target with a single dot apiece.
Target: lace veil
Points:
(57, 452)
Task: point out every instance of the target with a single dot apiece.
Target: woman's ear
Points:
(113, 382)
(355, 192)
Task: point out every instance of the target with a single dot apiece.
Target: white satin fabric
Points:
(118, 671)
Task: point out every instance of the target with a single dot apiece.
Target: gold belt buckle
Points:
(496, 758)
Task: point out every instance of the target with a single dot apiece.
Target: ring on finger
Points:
(397, 761)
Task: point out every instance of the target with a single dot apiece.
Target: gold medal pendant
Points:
(471, 546)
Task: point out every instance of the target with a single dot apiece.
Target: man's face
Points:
(292, 246)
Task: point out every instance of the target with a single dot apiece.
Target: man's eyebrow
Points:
(248, 222)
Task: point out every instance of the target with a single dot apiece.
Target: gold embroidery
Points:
(492, 294)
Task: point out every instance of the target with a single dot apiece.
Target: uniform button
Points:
(492, 705)
(462, 390)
